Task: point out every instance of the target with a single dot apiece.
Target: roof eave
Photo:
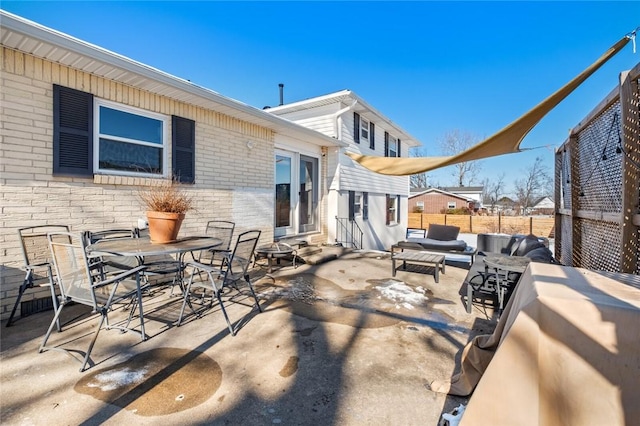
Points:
(40, 34)
(348, 96)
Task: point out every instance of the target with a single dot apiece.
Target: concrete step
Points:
(319, 258)
(315, 255)
(308, 251)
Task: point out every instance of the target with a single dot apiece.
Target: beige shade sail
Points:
(506, 141)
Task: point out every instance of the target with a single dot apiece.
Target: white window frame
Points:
(357, 204)
(420, 205)
(135, 111)
(392, 209)
(393, 146)
(365, 129)
(451, 204)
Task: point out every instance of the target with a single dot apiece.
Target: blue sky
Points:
(431, 67)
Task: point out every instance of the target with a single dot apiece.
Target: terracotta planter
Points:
(164, 227)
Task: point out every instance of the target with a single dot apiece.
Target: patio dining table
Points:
(142, 248)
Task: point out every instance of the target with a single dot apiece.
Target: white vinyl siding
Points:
(321, 119)
(357, 178)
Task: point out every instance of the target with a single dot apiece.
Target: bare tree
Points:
(535, 183)
(492, 191)
(453, 143)
(419, 180)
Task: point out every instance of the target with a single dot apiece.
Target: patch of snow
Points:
(402, 294)
(111, 380)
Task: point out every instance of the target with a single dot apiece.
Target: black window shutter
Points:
(352, 205)
(398, 151)
(372, 135)
(398, 209)
(386, 144)
(183, 135)
(365, 205)
(387, 211)
(72, 132)
(356, 127)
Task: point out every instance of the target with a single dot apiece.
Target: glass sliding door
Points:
(308, 195)
(284, 199)
(296, 194)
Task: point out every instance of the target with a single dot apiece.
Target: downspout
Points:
(337, 129)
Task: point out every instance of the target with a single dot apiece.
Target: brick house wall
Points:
(232, 182)
(435, 202)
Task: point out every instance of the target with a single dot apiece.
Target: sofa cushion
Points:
(541, 254)
(525, 245)
(443, 232)
(431, 244)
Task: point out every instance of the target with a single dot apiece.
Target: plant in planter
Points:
(166, 205)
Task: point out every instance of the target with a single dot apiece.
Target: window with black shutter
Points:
(124, 140)
(390, 145)
(72, 132)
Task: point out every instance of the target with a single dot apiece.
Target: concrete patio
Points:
(340, 343)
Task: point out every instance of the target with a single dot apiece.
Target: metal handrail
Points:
(348, 233)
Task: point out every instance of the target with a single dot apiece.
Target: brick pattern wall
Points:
(233, 182)
(435, 202)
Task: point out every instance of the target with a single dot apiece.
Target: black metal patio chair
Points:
(205, 278)
(37, 263)
(82, 281)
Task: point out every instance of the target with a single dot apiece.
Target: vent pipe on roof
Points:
(281, 86)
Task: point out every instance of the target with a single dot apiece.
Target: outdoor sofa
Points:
(438, 239)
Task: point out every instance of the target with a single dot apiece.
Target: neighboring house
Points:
(83, 129)
(471, 192)
(436, 200)
(543, 206)
(376, 203)
(507, 206)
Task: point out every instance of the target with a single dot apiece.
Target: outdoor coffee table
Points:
(276, 250)
(418, 257)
